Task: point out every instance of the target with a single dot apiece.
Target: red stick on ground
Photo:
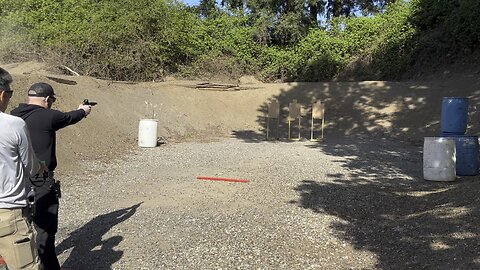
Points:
(222, 179)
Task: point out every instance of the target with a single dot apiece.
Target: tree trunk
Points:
(336, 8)
(313, 13)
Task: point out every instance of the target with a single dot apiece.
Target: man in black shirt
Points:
(43, 122)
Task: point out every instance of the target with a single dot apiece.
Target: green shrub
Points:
(393, 53)
(115, 39)
(230, 41)
(278, 64)
(446, 26)
(463, 24)
(144, 39)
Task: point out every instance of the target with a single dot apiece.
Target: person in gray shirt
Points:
(17, 163)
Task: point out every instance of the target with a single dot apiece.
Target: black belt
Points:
(26, 211)
(39, 180)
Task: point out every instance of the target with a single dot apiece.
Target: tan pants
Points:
(17, 245)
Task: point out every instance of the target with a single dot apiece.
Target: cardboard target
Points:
(294, 110)
(273, 109)
(318, 109)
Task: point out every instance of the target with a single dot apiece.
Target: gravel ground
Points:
(342, 204)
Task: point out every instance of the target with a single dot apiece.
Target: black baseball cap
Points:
(41, 90)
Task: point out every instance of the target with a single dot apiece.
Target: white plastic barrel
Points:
(147, 133)
(439, 159)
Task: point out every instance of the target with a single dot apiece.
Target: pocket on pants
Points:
(23, 252)
(7, 225)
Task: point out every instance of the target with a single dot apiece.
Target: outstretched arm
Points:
(61, 119)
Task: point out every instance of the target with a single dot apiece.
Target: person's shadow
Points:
(87, 238)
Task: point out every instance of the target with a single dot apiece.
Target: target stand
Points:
(294, 113)
(274, 114)
(318, 112)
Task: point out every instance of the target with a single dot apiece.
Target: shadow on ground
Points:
(387, 208)
(376, 130)
(89, 251)
(419, 228)
(404, 111)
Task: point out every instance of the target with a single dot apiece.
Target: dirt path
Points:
(150, 212)
(343, 204)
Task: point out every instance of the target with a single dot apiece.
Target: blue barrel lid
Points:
(455, 97)
(455, 135)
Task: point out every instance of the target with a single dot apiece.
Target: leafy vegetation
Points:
(274, 40)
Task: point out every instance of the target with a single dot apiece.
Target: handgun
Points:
(87, 102)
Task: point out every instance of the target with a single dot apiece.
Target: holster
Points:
(57, 188)
(29, 211)
(46, 181)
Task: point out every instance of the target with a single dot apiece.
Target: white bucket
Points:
(439, 159)
(147, 133)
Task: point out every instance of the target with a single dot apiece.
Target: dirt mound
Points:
(248, 80)
(110, 132)
(404, 111)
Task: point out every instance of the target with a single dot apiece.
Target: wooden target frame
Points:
(273, 113)
(318, 112)
(294, 112)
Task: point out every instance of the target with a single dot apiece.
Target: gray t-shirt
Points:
(17, 161)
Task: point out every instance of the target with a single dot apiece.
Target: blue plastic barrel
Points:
(454, 115)
(466, 154)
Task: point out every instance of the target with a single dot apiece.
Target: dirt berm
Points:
(404, 111)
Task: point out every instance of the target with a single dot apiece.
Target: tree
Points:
(206, 8)
(289, 20)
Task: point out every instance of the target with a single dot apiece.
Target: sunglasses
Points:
(52, 99)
